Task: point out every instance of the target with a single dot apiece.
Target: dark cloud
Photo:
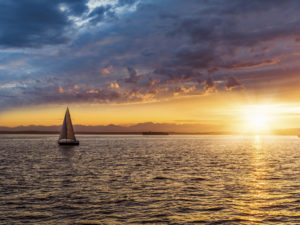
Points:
(98, 14)
(31, 23)
(231, 83)
(133, 77)
(126, 2)
(220, 30)
(178, 74)
(197, 57)
(209, 84)
(132, 51)
(76, 7)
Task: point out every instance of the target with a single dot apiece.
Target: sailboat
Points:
(67, 136)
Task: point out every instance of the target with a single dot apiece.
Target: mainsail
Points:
(67, 131)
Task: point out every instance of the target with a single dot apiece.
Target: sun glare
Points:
(257, 118)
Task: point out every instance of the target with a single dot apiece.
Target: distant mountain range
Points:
(135, 129)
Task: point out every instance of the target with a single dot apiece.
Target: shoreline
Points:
(141, 133)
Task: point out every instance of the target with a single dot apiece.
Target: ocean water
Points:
(150, 180)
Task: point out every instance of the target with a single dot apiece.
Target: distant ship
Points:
(155, 133)
(67, 136)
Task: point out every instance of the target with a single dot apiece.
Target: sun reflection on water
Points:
(257, 143)
(262, 200)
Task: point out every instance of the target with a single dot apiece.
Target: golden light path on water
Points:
(264, 194)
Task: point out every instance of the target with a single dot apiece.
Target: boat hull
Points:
(68, 142)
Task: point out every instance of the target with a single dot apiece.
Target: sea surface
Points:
(175, 179)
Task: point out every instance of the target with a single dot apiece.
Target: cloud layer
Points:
(62, 51)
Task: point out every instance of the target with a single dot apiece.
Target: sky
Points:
(228, 63)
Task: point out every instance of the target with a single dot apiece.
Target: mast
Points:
(67, 131)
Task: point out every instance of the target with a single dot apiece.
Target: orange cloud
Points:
(114, 85)
(107, 70)
(92, 92)
(60, 89)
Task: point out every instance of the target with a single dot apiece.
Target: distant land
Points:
(134, 129)
(120, 129)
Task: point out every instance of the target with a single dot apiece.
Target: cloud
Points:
(178, 74)
(133, 77)
(98, 14)
(231, 83)
(60, 90)
(151, 49)
(126, 2)
(222, 33)
(31, 23)
(114, 85)
(209, 84)
(75, 7)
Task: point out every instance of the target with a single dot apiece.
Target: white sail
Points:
(67, 131)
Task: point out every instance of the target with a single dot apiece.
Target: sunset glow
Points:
(132, 62)
(258, 118)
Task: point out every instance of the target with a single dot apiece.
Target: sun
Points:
(257, 118)
(257, 122)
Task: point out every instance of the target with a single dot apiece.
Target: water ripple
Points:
(150, 180)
